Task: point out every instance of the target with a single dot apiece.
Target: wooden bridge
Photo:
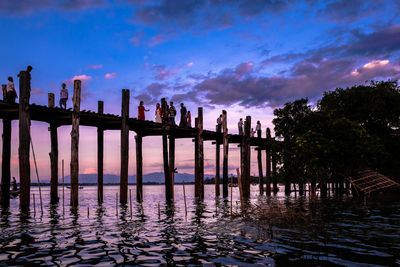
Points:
(56, 117)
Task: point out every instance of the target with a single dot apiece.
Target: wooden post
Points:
(4, 89)
(53, 156)
(50, 99)
(217, 161)
(274, 173)
(268, 162)
(199, 178)
(167, 175)
(24, 139)
(74, 165)
(139, 168)
(62, 173)
(260, 172)
(100, 155)
(123, 198)
(225, 148)
(245, 158)
(171, 165)
(5, 164)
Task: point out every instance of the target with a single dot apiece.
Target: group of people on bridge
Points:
(166, 114)
(252, 132)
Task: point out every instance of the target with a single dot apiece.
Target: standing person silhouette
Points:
(183, 122)
(11, 93)
(141, 110)
(158, 113)
(63, 96)
(240, 126)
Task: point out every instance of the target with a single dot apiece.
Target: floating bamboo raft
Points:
(368, 181)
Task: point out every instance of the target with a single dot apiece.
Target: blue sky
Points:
(247, 57)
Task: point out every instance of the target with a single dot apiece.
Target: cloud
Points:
(82, 77)
(162, 72)
(190, 64)
(94, 66)
(244, 86)
(28, 6)
(90, 171)
(38, 91)
(111, 75)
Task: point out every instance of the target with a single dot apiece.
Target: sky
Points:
(247, 57)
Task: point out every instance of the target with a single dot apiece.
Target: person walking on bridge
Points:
(63, 96)
(219, 122)
(172, 113)
(141, 110)
(11, 93)
(240, 126)
(258, 129)
(183, 122)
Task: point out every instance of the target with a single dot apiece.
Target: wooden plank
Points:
(100, 155)
(168, 195)
(217, 163)
(5, 164)
(139, 169)
(74, 165)
(24, 139)
(225, 148)
(199, 178)
(124, 147)
(171, 165)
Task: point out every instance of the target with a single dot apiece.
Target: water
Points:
(335, 232)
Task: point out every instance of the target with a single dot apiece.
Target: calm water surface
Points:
(336, 232)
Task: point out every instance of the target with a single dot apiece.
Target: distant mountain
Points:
(155, 177)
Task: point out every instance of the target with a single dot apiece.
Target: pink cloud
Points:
(190, 64)
(156, 40)
(82, 77)
(93, 66)
(110, 75)
(38, 91)
(163, 72)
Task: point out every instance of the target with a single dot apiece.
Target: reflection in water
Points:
(293, 231)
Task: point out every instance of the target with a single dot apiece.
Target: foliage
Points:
(350, 129)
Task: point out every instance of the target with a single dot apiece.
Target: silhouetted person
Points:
(189, 119)
(258, 129)
(158, 113)
(240, 126)
(219, 122)
(63, 96)
(141, 110)
(252, 132)
(183, 121)
(11, 93)
(164, 111)
(14, 184)
(172, 113)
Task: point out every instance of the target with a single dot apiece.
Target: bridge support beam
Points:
(225, 148)
(5, 164)
(139, 169)
(100, 155)
(245, 158)
(167, 175)
(217, 162)
(53, 156)
(75, 143)
(124, 147)
(24, 140)
(268, 162)
(199, 160)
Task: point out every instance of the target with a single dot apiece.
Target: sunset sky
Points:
(247, 57)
